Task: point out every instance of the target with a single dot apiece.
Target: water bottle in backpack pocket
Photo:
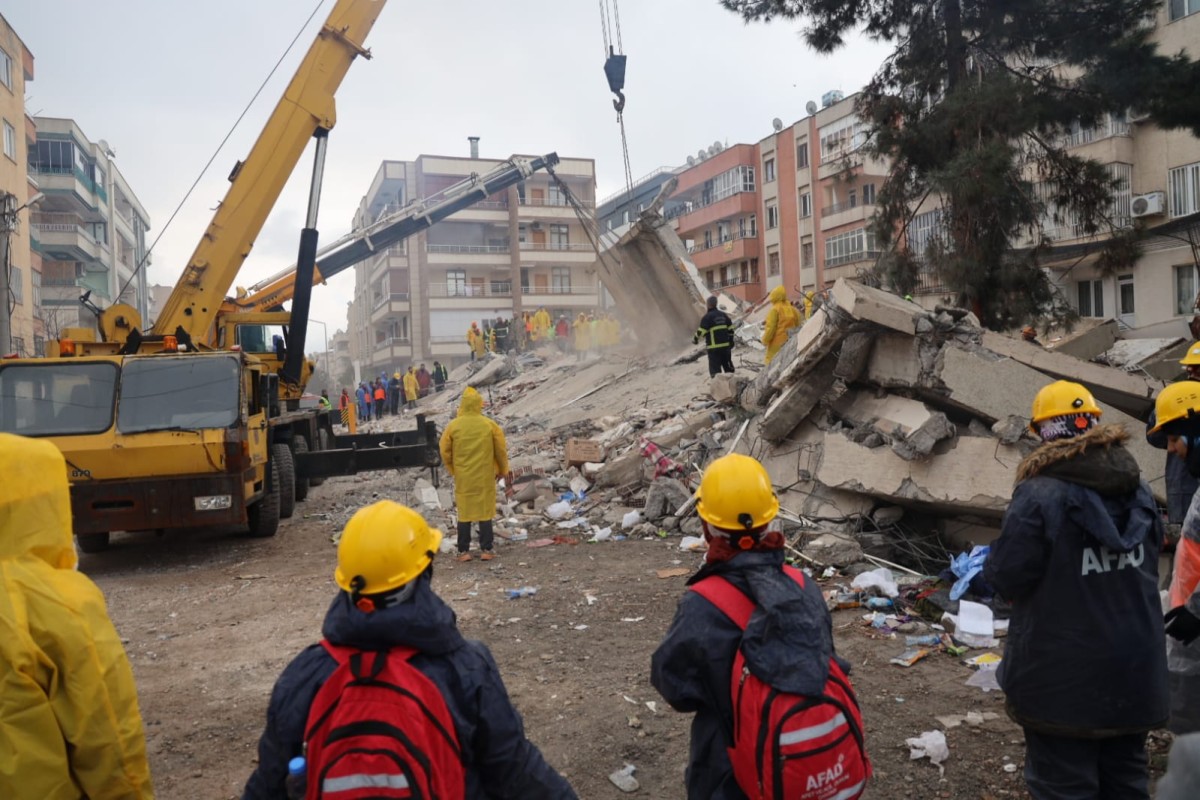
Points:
(788, 746)
(379, 728)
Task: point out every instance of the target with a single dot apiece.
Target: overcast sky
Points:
(163, 80)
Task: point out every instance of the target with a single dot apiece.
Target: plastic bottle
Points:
(524, 591)
(878, 603)
(296, 782)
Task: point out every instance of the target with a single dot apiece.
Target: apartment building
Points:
(622, 207)
(16, 186)
(527, 249)
(90, 229)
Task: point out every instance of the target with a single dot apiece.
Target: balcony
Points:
(699, 216)
(852, 258)
(560, 296)
(557, 252)
(384, 305)
(455, 254)
(68, 241)
(70, 179)
(731, 248)
(552, 208)
(839, 214)
(751, 278)
(385, 350)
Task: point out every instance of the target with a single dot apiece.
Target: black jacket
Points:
(1180, 483)
(500, 761)
(716, 329)
(788, 644)
(1078, 558)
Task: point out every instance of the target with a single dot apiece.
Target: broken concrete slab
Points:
(975, 476)
(920, 443)
(853, 355)
(1087, 339)
(891, 414)
(663, 497)
(863, 302)
(797, 401)
(894, 361)
(1133, 394)
(833, 549)
(496, 369)
(726, 388)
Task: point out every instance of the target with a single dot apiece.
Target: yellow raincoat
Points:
(475, 340)
(780, 319)
(412, 389)
(69, 723)
(475, 454)
(541, 321)
(582, 333)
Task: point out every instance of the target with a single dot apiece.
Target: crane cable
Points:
(614, 70)
(217, 152)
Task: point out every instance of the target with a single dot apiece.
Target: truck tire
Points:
(324, 442)
(300, 445)
(93, 542)
(263, 517)
(281, 456)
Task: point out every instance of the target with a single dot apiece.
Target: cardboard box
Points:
(581, 451)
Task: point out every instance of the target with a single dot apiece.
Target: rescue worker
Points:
(1177, 409)
(323, 401)
(1181, 484)
(380, 397)
(492, 340)
(69, 724)
(541, 321)
(780, 320)
(440, 376)
(501, 329)
(582, 337)
(1084, 669)
(562, 333)
(476, 341)
(808, 304)
(396, 393)
(385, 600)
(475, 453)
(423, 380)
(716, 329)
(412, 389)
(788, 643)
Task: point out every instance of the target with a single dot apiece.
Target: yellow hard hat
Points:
(1176, 402)
(735, 494)
(383, 547)
(1062, 399)
(1192, 356)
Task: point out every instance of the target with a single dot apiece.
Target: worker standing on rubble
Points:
(440, 376)
(562, 333)
(387, 612)
(783, 636)
(716, 329)
(1084, 667)
(69, 725)
(475, 454)
(582, 328)
(1181, 484)
(412, 389)
(1178, 411)
(780, 320)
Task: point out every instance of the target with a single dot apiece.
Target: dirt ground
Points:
(210, 619)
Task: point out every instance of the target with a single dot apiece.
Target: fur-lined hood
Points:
(1096, 459)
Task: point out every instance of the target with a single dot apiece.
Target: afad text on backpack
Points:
(788, 746)
(380, 729)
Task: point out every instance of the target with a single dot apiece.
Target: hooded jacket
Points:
(501, 764)
(716, 329)
(69, 722)
(1078, 558)
(787, 644)
(475, 453)
(1181, 484)
(780, 319)
(412, 389)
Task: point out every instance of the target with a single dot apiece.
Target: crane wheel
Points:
(300, 445)
(281, 455)
(263, 516)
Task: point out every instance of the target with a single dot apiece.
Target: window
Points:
(869, 194)
(559, 237)
(806, 254)
(36, 280)
(772, 217)
(16, 286)
(772, 263)
(802, 154)
(852, 198)
(753, 225)
(709, 281)
(177, 393)
(723, 232)
(18, 345)
(53, 156)
(1181, 8)
(525, 279)
(456, 283)
(927, 229)
(727, 184)
(855, 245)
(842, 137)
(560, 280)
(556, 197)
(768, 170)
(10, 140)
(57, 398)
(1091, 299)
(39, 345)
(1185, 288)
(707, 238)
(1185, 189)
(1125, 295)
(6, 70)
(805, 205)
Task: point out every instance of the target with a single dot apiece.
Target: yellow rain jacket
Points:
(780, 319)
(475, 453)
(582, 333)
(412, 389)
(69, 721)
(541, 321)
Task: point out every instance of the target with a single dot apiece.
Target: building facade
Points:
(622, 208)
(524, 250)
(89, 230)
(17, 186)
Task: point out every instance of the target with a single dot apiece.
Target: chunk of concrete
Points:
(975, 476)
(920, 443)
(797, 401)
(1133, 394)
(726, 388)
(863, 302)
(1088, 339)
(891, 414)
(836, 549)
(495, 370)
(895, 361)
(664, 496)
(853, 355)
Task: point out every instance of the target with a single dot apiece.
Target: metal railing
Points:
(557, 290)
(559, 246)
(700, 247)
(441, 290)
(850, 258)
(1105, 130)
(394, 297)
(838, 208)
(555, 202)
(395, 341)
(467, 248)
(688, 207)
(738, 281)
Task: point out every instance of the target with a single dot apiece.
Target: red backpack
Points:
(789, 746)
(380, 729)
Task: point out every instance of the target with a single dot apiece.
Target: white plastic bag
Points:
(880, 579)
(931, 744)
(692, 543)
(559, 510)
(632, 518)
(976, 625)
(601, 535)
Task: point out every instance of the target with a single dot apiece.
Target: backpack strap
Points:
(731, 601)
(355, 657)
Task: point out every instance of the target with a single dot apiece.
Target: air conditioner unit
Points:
(535, 226)
(1149, 205)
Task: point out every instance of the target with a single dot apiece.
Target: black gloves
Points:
(1182, 624)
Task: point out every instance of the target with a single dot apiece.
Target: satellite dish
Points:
(719, 146)
(777, 124)
(712, 151)
(810, 107)
(700, 156)
(691, 161)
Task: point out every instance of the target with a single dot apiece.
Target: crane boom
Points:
(307, 106)
(270, 293)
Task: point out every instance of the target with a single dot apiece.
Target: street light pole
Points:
(8, 226)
